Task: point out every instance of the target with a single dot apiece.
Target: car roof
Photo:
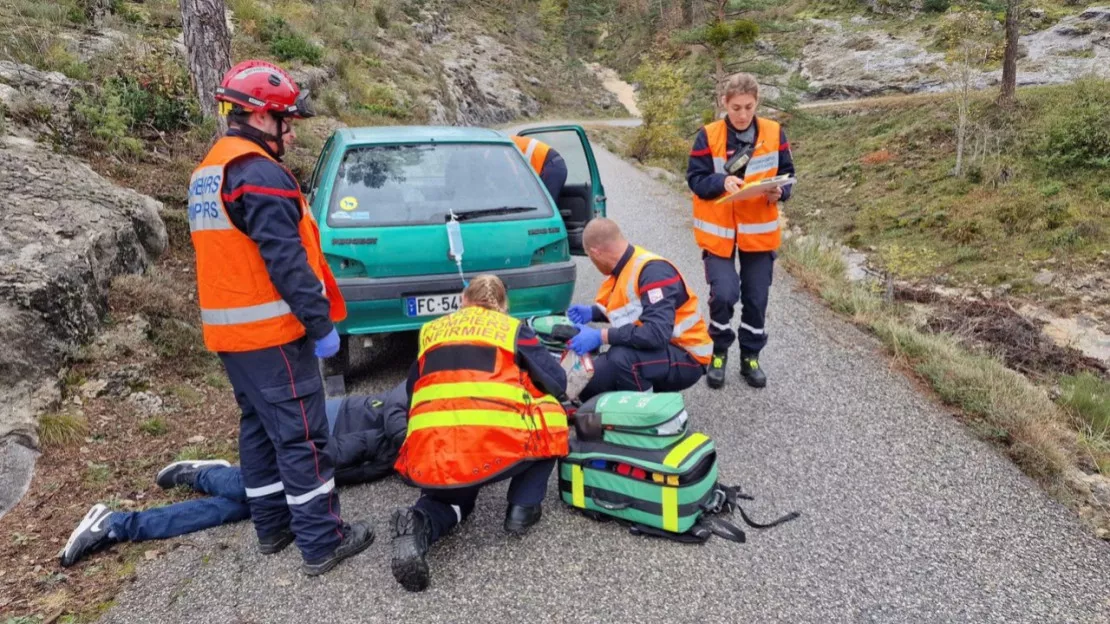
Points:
(419, 134)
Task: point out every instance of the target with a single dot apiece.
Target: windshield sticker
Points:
(360, 215)
(348, 203)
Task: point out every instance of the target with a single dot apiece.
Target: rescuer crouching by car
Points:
(658, 340)
(485, 406)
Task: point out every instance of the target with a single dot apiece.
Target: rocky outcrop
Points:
(67, 233)
(478, 90)
(856, 59)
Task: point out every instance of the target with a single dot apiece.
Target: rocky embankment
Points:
(67, 233)
(857, 58)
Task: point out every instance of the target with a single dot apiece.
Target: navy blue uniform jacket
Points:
(263, 200)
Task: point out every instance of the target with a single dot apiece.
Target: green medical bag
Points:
(635, 459)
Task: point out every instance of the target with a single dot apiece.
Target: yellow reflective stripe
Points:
(670, 509)
(679, 453)
(482, 418)
(470, 389)
(577, 487)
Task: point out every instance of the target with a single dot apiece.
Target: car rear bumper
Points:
(378, 306)
(372, 289)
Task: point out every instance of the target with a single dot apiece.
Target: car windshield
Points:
(420, 184)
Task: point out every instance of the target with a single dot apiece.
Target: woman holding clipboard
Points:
(733, 225)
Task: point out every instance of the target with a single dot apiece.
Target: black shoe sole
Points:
(276, 547)
(407, 564)
(714, 383)
(411, 572)
(327, 566)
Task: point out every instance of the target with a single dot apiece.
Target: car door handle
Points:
(599, 198)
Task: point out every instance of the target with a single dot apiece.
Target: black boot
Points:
(518, 518)
(411, 535)
(715, 376)
(750, 370)
(273, 544)
(357, 537)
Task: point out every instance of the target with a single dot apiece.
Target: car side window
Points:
(314, 181)
(569, 146)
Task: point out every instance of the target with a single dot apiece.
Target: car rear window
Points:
(420, 183)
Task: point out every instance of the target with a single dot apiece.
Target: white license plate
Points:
(433, 304)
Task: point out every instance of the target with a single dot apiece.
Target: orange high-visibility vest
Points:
(535, 152)
(474, 412)
(620, 296)
(240, 309)
(750, 224)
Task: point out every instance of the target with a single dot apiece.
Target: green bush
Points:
(105, 123)
(381, 16)
(1076, 134)
(936, 6)
(287, 44)
(662, 95)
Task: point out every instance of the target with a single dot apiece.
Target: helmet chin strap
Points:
(261, 135)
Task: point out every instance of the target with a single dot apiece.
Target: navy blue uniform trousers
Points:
(283, 437)
(669, 369)
(446, 508)
(751, 286)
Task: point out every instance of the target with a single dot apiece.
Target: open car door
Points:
(583, 196)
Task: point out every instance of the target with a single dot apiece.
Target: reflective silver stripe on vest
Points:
(758, 228)
(762, 164)
(703, 350)
(247, 314)
(626, 314)
(715, 230)
(307, 496)
(690, 321)
(265, 490)
(718, 165)
(206, 208)
(528, 152)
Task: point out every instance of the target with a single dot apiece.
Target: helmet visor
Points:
(302, 108)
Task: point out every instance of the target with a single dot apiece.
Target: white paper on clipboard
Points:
(757, 188)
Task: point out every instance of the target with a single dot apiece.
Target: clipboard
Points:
(757, 188)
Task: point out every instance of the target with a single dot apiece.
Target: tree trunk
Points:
(687, 13)
(208, 45)
(1009, 58)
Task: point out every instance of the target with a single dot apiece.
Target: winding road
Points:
(907, 517)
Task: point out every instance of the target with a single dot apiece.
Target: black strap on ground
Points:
(732, 497)
(724, 529)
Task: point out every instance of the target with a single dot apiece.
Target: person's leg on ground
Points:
(102, 527)
(224, 482)
(724, 292)
(416, 528)
(526, 494)
(756, 269)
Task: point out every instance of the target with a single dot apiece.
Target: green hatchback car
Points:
(384, 197)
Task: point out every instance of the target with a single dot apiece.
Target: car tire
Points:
(340, 363)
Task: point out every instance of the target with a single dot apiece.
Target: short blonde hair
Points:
(740, 84)
(487, 291)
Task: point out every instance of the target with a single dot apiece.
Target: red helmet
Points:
(258, 85)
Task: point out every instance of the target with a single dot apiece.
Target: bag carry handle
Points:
(723, 528)
(611, 505)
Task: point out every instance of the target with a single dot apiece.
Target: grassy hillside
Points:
(368, 62)
(1034, 188)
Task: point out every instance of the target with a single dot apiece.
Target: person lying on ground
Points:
(366, 434)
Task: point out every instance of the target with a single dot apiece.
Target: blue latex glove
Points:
(328, 345)
(588, 339)
(580, 314)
